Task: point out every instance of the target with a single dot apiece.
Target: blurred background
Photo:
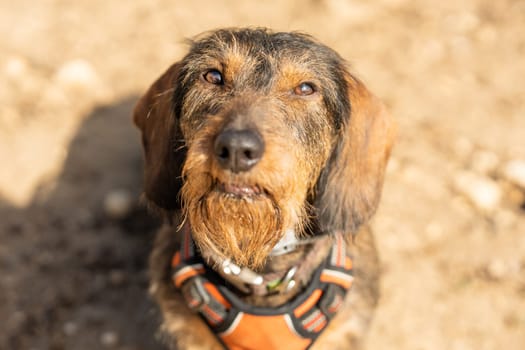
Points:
(450, 229)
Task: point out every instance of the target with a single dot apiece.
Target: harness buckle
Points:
(240, 277)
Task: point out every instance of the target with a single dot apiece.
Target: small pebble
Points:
(512, 320)
(497, 269)
(414, 175)
(16, 67)
(118, 203)
(117, 278)
(85, 218)
(70, 328)
(77, 74)
(45, 260)
(463, 147)
(461, 46)
(434, 231)
(432, 51)
(468, 21)
(109, 339)
(514, 171)
(483, 192)
(16, 319)
(484, 162)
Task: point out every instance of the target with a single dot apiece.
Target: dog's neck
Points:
(305, 259)
(287, 271)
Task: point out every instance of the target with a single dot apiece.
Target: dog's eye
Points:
(213, 77)
(304, 89)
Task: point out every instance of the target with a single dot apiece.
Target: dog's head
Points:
(254, 133)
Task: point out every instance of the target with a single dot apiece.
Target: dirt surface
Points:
(451, 225)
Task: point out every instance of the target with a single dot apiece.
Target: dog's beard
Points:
(243, 229)
(228, 223)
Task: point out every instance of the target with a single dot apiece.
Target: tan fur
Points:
(320, 172)
(281, 208)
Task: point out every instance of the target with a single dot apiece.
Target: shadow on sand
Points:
(72, 278)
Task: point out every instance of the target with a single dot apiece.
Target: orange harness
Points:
(240, 326)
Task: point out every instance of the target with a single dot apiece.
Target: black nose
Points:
(238, 150)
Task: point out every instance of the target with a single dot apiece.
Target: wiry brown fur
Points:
(321, 171)
(247, 227)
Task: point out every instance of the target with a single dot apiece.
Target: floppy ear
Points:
(164, 153)
(349, 187)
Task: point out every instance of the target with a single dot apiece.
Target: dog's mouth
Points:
(239, 190)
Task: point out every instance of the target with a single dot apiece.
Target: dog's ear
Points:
(349, 188)
(164, 152)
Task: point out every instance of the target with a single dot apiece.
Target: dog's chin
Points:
(237, 222)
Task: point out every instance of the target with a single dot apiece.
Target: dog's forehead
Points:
(268, 62)
(260, 52)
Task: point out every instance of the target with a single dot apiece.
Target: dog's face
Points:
(258, 126)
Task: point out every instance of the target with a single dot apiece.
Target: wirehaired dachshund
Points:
(266, 158)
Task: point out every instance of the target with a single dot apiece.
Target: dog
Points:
(266, 158)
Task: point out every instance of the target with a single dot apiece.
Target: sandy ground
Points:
(450, 228)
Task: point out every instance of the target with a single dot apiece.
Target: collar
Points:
(287, 244)
(274, 281)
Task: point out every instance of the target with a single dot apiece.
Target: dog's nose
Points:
(238, 150)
